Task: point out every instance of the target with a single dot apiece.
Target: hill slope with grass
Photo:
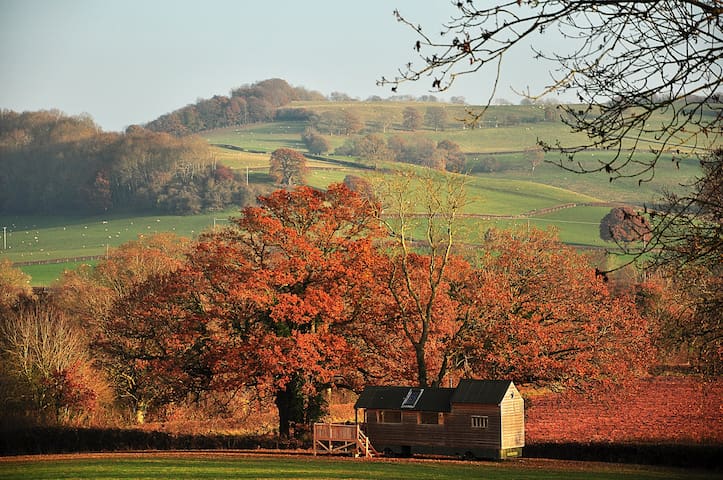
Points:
(504, 190)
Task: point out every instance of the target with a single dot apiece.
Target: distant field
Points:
(168, 466)
(35, 238)
(47, 274)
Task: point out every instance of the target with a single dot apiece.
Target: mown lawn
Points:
(225, 466)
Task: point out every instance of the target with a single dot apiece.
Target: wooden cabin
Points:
(479, 418)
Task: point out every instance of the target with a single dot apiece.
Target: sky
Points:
(127, 62)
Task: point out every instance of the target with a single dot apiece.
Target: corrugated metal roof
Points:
(480, 391)
(490, 392)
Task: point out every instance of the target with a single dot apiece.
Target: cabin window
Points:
(390, 416)
(429, 418)
(479, 422)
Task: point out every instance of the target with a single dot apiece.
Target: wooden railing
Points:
(341, 438)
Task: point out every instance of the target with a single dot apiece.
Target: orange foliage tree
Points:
(524, 308)
(549, 320)
(277, 290)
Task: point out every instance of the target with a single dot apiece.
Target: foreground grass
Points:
(239, 466)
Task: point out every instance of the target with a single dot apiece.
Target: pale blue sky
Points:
(129, 61)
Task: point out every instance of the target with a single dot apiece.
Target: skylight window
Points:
(410, 401)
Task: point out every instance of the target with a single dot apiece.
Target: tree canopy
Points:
(647, 74)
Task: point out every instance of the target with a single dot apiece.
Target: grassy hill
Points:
(509, 190)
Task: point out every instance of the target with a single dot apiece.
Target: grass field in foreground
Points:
(168, 466)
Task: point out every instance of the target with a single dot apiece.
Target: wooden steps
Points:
(342, 438)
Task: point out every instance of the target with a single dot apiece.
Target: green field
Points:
(33, 239)
(221, 466)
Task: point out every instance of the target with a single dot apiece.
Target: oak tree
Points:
(287, 167)
(153, 345)
(279, 288)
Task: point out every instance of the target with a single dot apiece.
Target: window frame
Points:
(481, 422)
(381, 414)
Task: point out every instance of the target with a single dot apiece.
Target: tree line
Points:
(259, 102)
(54, 163)
(310, 289)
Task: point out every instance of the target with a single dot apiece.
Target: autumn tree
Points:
(373, 147)
(88, 292)
(314, 141)
(416, 282)
(351, 122)
(411, 119)
(361, 186)
(287, 167)
(547, 318)
(101, 299)
(46, 371)
(436, 117)
(14, 284)
(153, 350)
(685, 241)
(624, 224)
(646, 76)
(454, 159)
(278, 289)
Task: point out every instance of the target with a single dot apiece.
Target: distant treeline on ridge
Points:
(248, 104)
(53, 163)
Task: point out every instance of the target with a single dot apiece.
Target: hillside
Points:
(504, 190)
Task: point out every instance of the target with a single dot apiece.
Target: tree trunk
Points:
(290, 405)
(141, 408)
(421, 364)
(297, 409)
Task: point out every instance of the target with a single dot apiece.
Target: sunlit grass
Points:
(167, 467)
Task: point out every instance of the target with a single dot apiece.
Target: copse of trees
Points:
(253, 103)
(417, 150)
(53, 163)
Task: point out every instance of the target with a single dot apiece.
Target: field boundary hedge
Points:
(55, 440)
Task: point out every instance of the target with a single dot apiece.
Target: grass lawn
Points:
(238, 466)
(46, 274)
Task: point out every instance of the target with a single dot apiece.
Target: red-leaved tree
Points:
(277, 290)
